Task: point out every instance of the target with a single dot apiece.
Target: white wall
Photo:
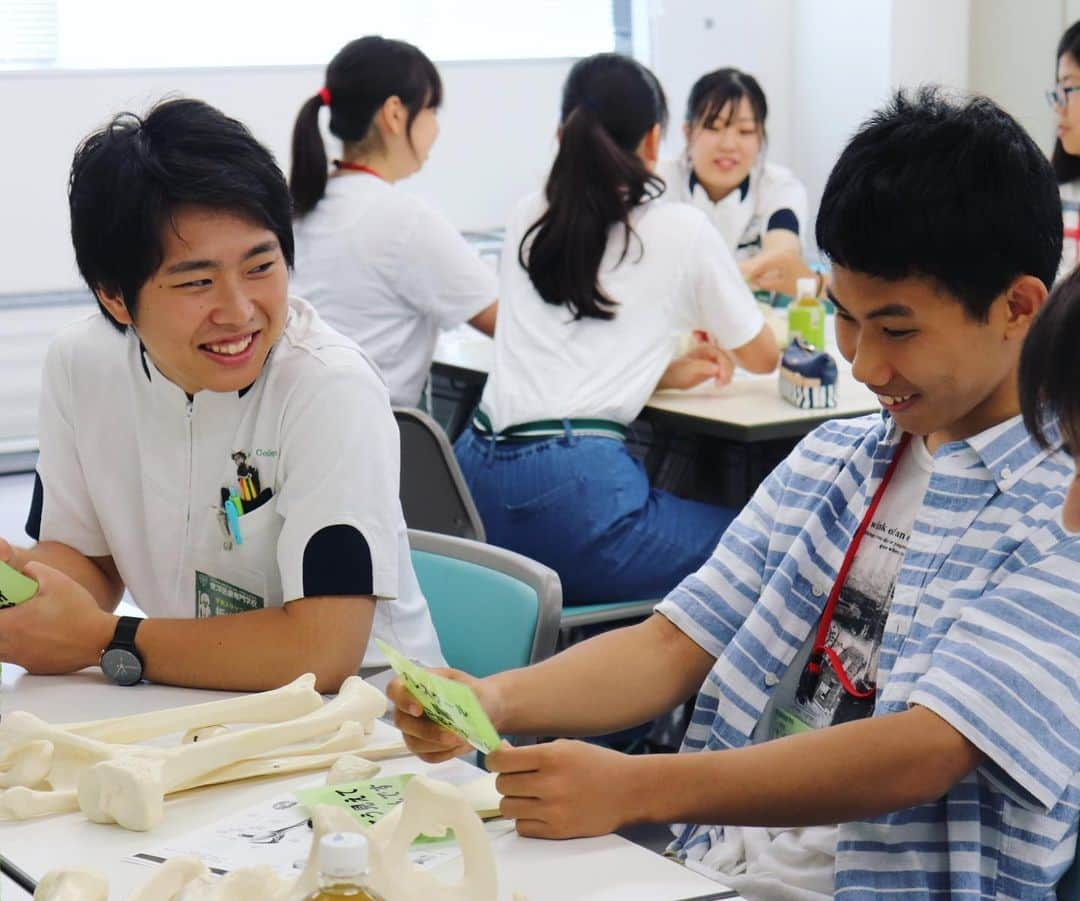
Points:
(497, 138)
(1012, 57)
(691, 37)
(930, 42)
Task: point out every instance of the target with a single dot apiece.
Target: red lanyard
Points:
(820, 650)
(356, 167)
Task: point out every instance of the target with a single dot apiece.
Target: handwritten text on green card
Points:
(450, 704)
(15, 588)
(369, 802)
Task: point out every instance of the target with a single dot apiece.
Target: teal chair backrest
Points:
(493, 609)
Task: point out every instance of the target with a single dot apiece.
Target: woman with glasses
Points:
(1066, 156)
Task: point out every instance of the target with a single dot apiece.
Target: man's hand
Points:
(566, 789)
(59, 630)
(706, 361)
(427, 740)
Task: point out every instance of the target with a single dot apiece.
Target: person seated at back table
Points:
(207, 442)
(886, 641)
(596, 281)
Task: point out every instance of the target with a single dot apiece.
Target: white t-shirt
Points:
(130, 468)
(677, 276)
(388, 271)
(1070, 211)
(760, 861)
(747, 213)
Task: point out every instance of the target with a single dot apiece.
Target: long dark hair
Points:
(1049, 380)
(715, 90)
(609, 104)
(359, 79)
(1066, 166)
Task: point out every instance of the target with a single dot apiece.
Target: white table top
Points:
(748, 409)
(598, 868)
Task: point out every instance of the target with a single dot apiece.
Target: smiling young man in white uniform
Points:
(207, 442)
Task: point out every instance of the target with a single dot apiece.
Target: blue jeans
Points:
(583, 506)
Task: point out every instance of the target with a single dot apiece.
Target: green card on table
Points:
(15, 588)
(452, 705)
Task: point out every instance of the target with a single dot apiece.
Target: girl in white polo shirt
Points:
(378, 264)
(756, 205)
(596, 280)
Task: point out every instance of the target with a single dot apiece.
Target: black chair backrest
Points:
(434, 495)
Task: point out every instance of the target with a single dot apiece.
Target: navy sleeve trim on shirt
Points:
(33, 518)
(785, 219)
(337, 561)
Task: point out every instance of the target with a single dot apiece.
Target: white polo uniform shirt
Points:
(131, 468)
(676, 276)
(771, 197)
(388, 271)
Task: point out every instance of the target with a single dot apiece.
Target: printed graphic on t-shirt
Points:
(855, 632)
(216, 597)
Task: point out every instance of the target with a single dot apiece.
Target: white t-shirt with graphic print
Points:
(798, 863)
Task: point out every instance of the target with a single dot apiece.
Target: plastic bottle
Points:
(806, 315)
(343, 862)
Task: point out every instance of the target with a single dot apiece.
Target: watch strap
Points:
(124, 635)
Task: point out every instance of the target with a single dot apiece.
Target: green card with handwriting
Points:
(452, 705)
(15, 588)
(369, 802)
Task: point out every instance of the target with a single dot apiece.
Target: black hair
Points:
(609, 104)
(129, 178)
(950, 189)
(1049, 377)
(1066, 165)
(715, 90)
(360, 78)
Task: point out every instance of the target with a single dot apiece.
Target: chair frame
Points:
(542, 579)
(436, 431)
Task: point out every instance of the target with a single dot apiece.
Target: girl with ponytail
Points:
(379, 265)
(597, 280)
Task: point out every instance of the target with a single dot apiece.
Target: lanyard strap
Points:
(356, 167)
(820, 650)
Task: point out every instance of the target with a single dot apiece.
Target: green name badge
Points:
(15, 588)
(450, 704)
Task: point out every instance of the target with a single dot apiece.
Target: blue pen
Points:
(233, 517)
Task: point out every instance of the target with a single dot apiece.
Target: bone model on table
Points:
(47, 769)
(427, 807)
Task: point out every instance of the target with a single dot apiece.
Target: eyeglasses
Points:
(1058, 96)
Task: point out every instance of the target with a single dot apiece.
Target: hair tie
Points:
(324, 96)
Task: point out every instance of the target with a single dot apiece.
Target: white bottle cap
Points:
(805, 287)
(343, 854)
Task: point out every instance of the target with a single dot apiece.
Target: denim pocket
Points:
(567, 495)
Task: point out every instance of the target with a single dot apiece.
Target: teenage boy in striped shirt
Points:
(888, 636)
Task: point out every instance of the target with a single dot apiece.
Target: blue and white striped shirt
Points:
(984, 630)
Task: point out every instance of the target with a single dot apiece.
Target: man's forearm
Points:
(96, 575)
(835, 775)
(613, 681)
(260, 649)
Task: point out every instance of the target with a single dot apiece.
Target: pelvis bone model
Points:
(427, 808)
(96, 766)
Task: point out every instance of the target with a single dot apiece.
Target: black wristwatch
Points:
(120, 661)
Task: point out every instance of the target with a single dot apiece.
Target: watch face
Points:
(121, 666)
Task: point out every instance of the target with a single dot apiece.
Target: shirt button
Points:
(1006, 473)
(817, 591)
(771, 680)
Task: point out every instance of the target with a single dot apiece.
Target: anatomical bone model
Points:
(428, 807)
(98, 767)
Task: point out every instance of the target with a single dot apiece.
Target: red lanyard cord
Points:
(355, 167)
(820, 651)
